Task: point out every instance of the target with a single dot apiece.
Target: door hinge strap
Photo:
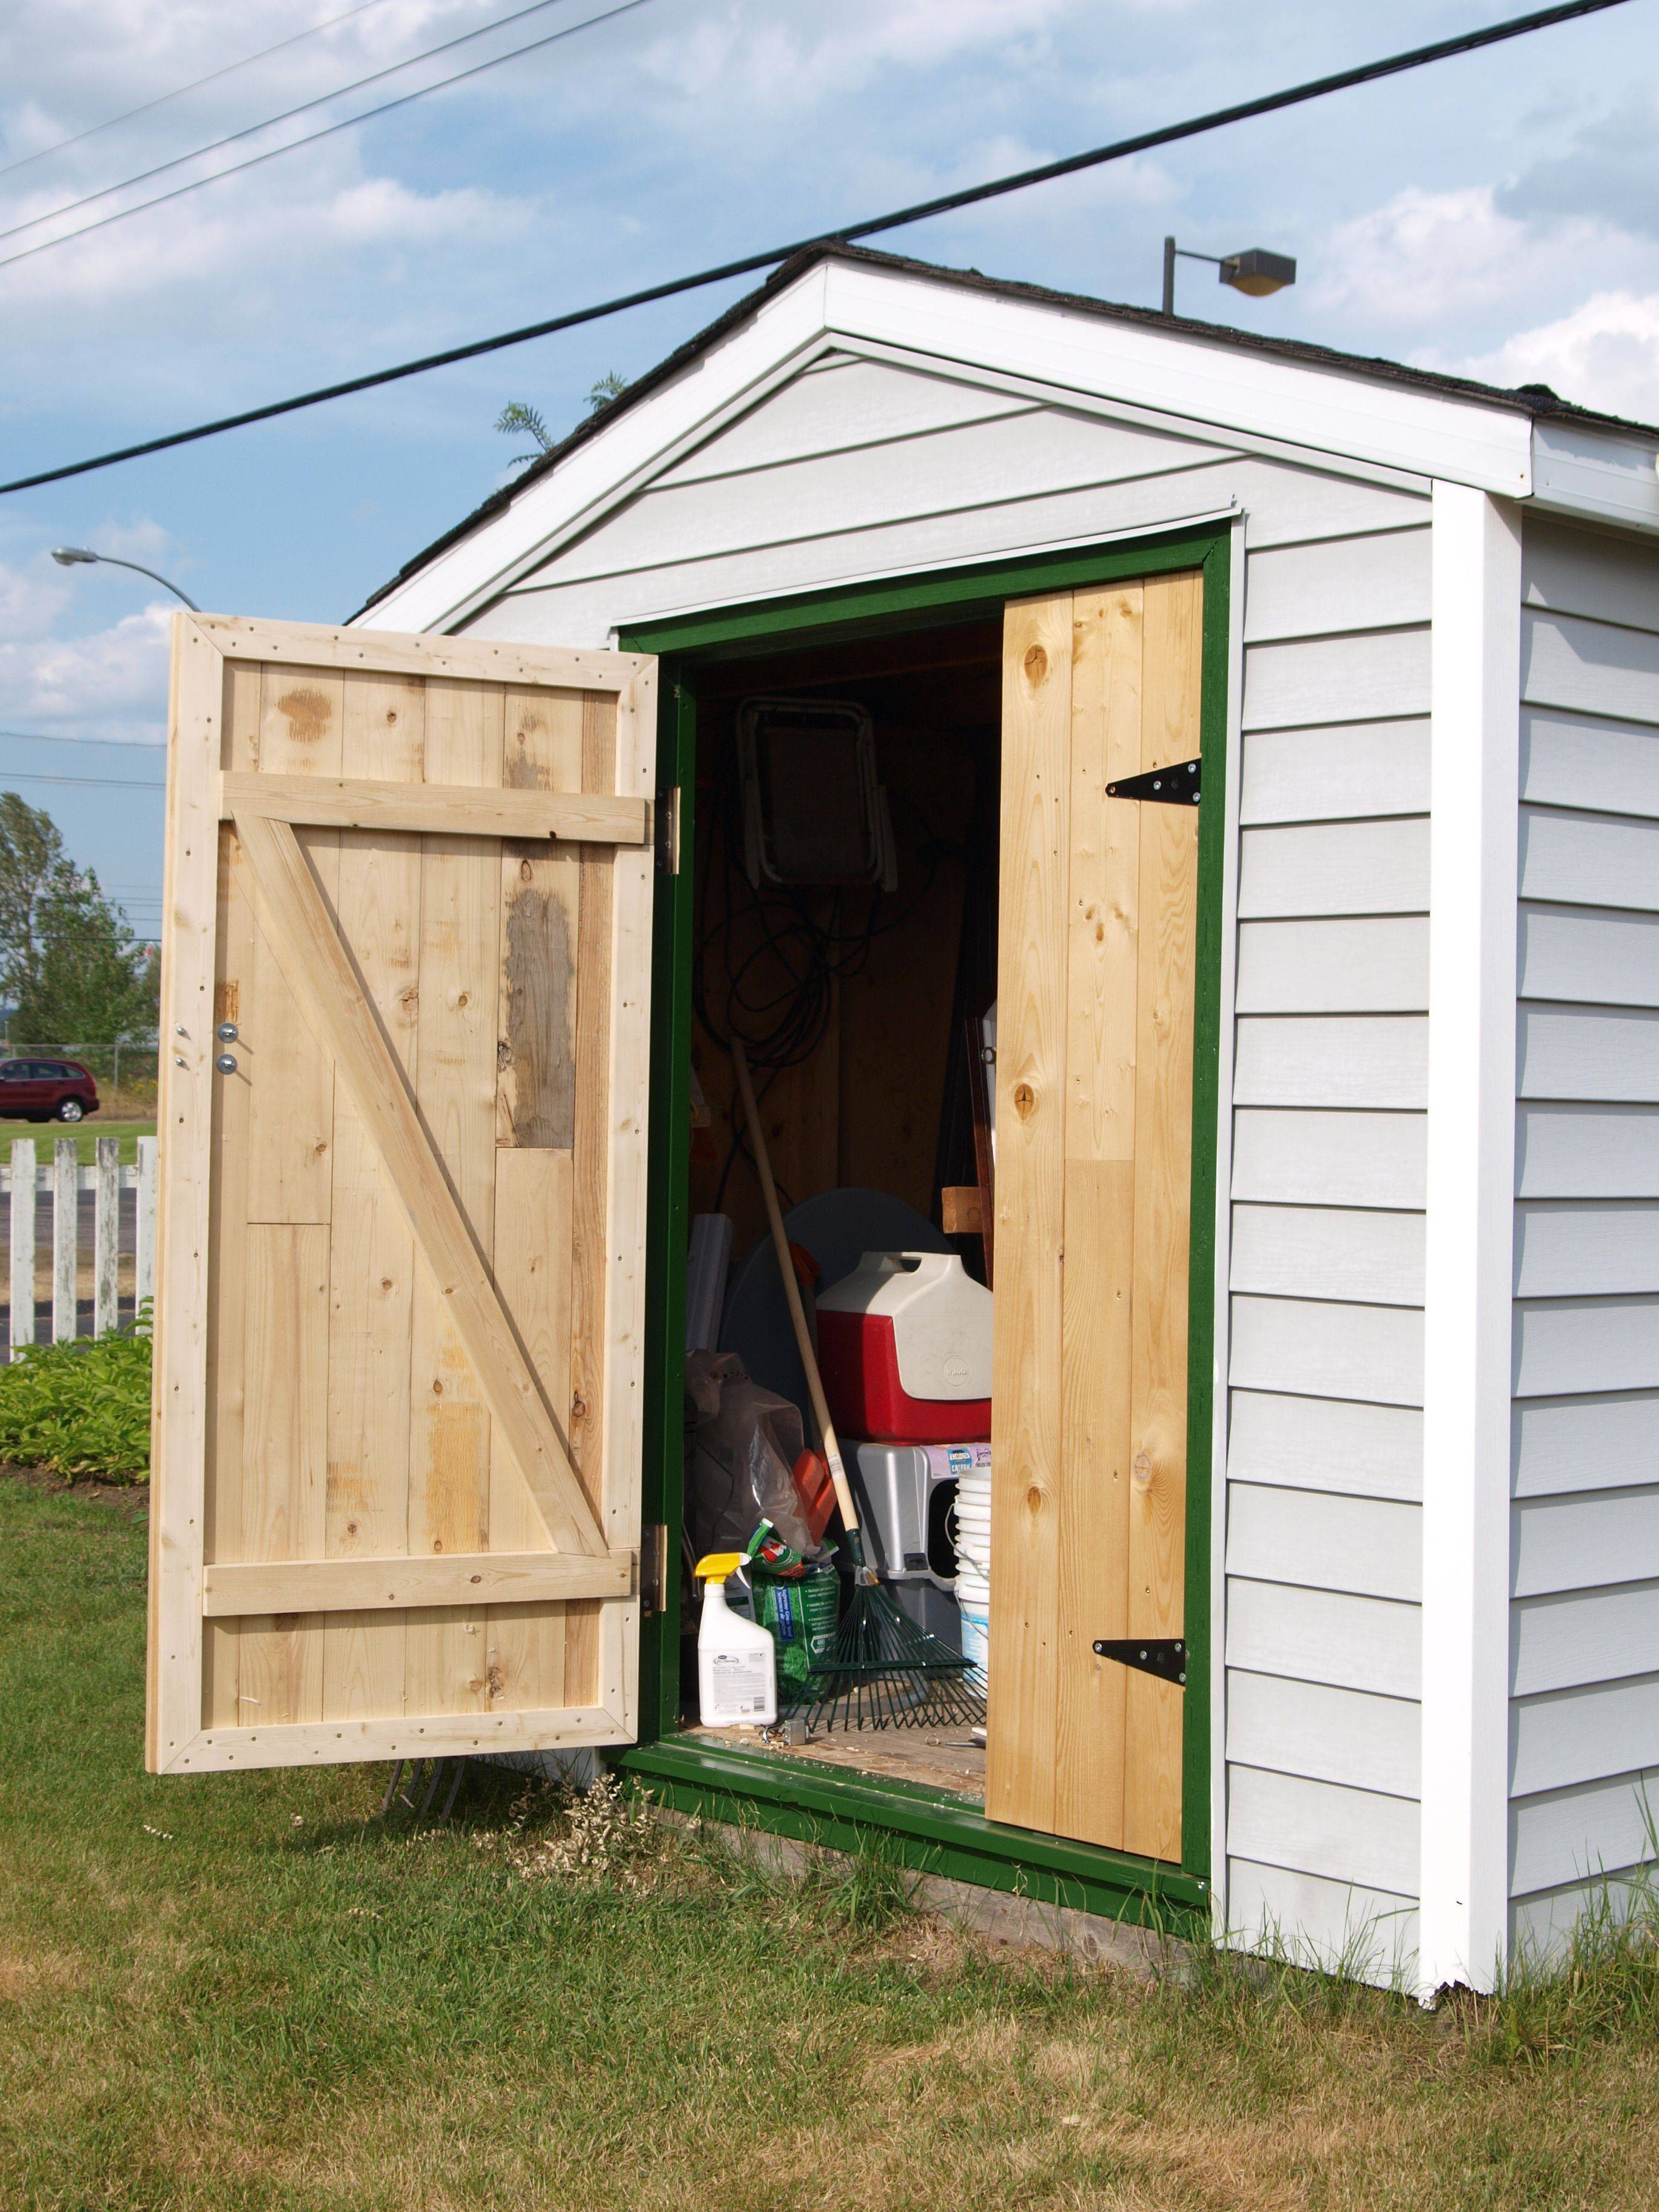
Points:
(666, 827)
(1176, 786)
(1164, 1656)
(653, 1569)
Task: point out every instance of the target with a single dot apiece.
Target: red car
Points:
(45, 1090)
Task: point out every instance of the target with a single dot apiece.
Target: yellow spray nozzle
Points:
(717, 1566)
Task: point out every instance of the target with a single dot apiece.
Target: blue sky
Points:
(1497, 214)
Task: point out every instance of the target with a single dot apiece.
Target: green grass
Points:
(85, 1133)
(241, 1993)
(80, 1407)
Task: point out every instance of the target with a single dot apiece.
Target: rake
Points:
(882, 1671)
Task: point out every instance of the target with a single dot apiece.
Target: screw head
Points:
(226, 1033)
(225, 1063)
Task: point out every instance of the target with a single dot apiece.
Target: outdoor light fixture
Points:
(1257, 271)
(74, 556)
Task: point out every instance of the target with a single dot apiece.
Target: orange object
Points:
(817, 1493)
(807, 1270)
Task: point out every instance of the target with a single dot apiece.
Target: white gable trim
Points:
(1162, 379)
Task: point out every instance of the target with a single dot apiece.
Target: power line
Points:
(1391, 65)
(131, 744)
(253, 130)
(195, 85)
(105, 782)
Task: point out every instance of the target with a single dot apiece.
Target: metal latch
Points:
(654, 1560)
(1175, 787)
(665, 822)
(1164, 1656)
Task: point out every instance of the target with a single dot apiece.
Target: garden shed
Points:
(1326, 1108)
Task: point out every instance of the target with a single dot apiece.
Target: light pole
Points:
(1256, 272)
(72, 556)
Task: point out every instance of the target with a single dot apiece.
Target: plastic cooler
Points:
(904, 1344)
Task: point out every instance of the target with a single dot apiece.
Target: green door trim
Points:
(798, 1796)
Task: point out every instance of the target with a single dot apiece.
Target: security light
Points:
(1256, 271)
(71, 556)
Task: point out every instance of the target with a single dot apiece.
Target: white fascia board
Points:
(780, 340)
(1603, 476)
(1204, 383)
(1475, 797)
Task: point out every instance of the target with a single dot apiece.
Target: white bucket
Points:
(971, 1530)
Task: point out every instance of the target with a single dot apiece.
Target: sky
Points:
(1496, 214)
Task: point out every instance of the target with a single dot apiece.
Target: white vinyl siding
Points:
(1584, 1541)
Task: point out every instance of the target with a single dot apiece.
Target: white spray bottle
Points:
(736, 1659)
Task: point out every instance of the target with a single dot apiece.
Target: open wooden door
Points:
(1095, 1012)
(400, 1310)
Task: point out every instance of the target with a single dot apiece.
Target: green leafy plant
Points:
(81, 1408)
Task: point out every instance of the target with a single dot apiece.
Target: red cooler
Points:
(904, 1342)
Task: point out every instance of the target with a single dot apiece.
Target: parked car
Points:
(45, 1090)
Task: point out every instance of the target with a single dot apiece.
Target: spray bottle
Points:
(736, 1659)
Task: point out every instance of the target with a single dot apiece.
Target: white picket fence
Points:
(22, 1182)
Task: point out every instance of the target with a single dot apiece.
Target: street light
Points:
(72, 556)
(1257, 271)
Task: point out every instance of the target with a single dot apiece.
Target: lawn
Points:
(85, 1133)
(243, 1991)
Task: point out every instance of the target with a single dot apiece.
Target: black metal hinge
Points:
(1164, 1656)
(1175, 787)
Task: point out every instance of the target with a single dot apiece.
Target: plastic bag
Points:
(744, 1443)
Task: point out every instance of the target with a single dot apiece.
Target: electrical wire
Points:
(195, 85)
(272, 153)
(1269, 103)
(103, 782)
(43, 737)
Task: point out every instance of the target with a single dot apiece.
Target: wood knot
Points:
(1036, 664)
(437, 1543)
(578, 1406)
(1025, 1099)
(437, 1387)
(1143, 1471)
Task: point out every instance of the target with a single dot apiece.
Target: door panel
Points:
(400, 1298)
(1094, 1128)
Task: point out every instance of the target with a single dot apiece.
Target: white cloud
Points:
(1605, 354)
(108, 682)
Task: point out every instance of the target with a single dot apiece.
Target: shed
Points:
(1327, 1112)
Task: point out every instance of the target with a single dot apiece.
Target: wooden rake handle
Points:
(809, 1358)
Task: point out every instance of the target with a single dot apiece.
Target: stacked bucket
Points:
(972, 1516)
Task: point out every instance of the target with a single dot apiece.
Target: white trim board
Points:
(1475, 779)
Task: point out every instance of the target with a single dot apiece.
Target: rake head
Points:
(883, 1672)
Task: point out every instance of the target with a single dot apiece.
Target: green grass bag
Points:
(801, 1611)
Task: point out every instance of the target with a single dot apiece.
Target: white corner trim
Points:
(1225, 1036)
(1475, 752)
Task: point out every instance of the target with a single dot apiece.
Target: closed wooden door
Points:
(1095, 1010)
(403, 1122)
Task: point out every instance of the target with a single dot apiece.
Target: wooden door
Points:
(399, 1302)
(1094, 1162)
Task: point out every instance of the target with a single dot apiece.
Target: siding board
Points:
(1325, 1636)
(1581, 1735)
(1595, 1829)
(1338, 1059)
(1353, 770)
(1582, 572)
(1373, 966)
(1374, 1353)
(1563, 1445)
(1589, 956)
(1584, 1345)
(1593, 1540)
(1336, 1925)
(1299, 591)
(1309, 1158)
(1357, 1836)
(1328, 1735)
(1586, 1251)
(1335, 868)
(1588, 859)
(1377, 675)
(1372, 1257)
(1591, 667)
(1587, 1151)
(1599, 1636)
(1326, 1443)
(1593, 1054)
(1365, 1545)
(1574, 760)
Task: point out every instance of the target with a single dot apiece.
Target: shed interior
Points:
(859, 1004)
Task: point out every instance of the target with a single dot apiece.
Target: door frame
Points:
(925, 1828)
